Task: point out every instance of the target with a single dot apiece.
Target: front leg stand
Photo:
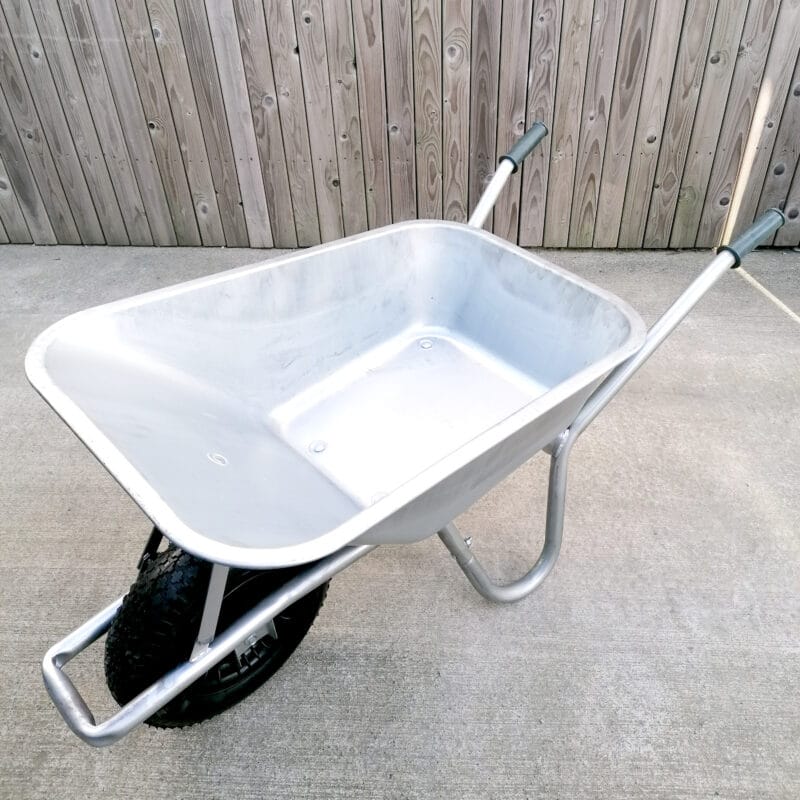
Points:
(728, 256)
(556, 495)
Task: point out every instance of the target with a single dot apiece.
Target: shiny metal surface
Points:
(211, 608)
(492, 191)
(77, 714)
(477, 575)
(366, 391)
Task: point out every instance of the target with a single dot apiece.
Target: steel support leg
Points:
(211, 609)
(608, 389)
(556, 496)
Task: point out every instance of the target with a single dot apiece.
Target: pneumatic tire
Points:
(158, 622)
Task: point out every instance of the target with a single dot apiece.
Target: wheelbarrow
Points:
(279, 421)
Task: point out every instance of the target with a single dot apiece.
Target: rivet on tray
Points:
(218, 459)
(317, 446)
(425, 344)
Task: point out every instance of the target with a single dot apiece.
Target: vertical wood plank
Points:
(636, 30)
(70, 164)
(289, 84)
(659, 72)
(10, 212)
(344, 95)
(400, 107)
(199, 50)
(542, 67)
(786, 151)
(260, 82)
(739, 115)
(225, 37)
(597, 99)
(789, 234)
(456, 57)
(486, 21)
(310, 25)
(427, 35)
(24, 119)
(720, 62)
(21, 181)
(49, 27)
(131, 26)
(45, 135)
(79, 73)
(574, 51)
(511, 107)
(768, 107)
(368, 32)
(134, 123)
(163, 21)
(674, 146)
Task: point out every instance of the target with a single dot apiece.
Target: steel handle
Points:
(667, 323)
(728, 257)
(507, 166)
(525, 144)
(764, 227)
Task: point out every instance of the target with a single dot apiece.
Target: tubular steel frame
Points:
(560, 449)
(211, 647)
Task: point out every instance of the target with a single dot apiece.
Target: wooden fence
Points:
(285, 123)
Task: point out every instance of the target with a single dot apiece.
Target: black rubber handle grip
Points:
(522, 149)
(761, 229)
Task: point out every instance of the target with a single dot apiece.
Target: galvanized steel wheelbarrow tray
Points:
(307, 409)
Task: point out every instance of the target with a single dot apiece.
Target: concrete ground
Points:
(661, 659)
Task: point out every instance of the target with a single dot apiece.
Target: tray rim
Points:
(363, 521)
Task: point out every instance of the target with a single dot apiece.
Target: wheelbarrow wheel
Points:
(157, 624)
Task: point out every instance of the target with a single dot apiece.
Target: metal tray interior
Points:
(274, 413)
